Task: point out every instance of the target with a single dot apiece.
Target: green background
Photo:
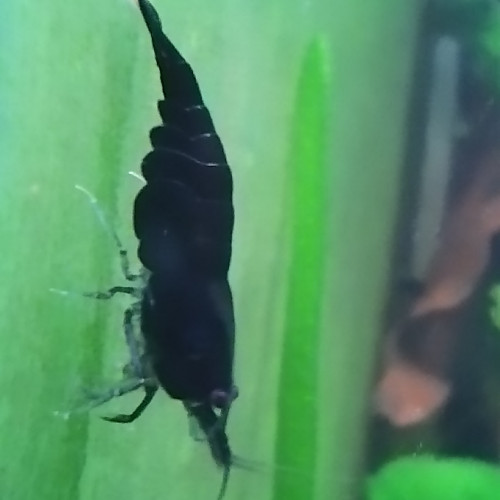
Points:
(309, 98)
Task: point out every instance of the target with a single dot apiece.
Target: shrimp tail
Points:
(184, 88)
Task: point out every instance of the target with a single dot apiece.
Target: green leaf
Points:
(435, 479)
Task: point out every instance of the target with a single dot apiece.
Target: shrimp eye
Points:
(222, 399)
(218, 398)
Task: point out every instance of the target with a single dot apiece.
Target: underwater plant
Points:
(415, 478)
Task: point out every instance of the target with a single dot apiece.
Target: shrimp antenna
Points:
(257, 466)
(225, 481)
(100, 215)
(124, 262)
